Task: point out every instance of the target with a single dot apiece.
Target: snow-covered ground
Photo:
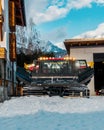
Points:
(52, 113)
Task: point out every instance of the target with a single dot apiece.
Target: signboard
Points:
(2, 53)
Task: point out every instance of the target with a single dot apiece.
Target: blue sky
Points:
(58, 20)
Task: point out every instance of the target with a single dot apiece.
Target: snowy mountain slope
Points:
(30, 38)
(50, 47)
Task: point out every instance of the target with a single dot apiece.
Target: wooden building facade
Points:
(12, 13)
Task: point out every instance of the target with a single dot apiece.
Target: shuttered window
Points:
(12, 46)
(12, 22)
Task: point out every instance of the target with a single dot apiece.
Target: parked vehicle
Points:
(101, 91)
(59, 76)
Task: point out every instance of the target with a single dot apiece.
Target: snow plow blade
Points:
(57, 89)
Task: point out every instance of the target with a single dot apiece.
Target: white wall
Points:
(86, 53)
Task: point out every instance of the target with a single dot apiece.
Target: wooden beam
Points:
(12, 22)
(1, 22)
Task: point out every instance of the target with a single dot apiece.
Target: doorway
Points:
(98, 70)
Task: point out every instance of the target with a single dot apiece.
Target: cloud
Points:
(78, 4)
(60, 45)
(101, 2)
(58, 3)
(52, 13)
(33, 7)
(45, 10)
(56, 35)
(97, 33)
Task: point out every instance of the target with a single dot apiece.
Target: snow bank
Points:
(33, 104)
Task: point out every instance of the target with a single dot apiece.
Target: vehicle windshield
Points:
(55, 67)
